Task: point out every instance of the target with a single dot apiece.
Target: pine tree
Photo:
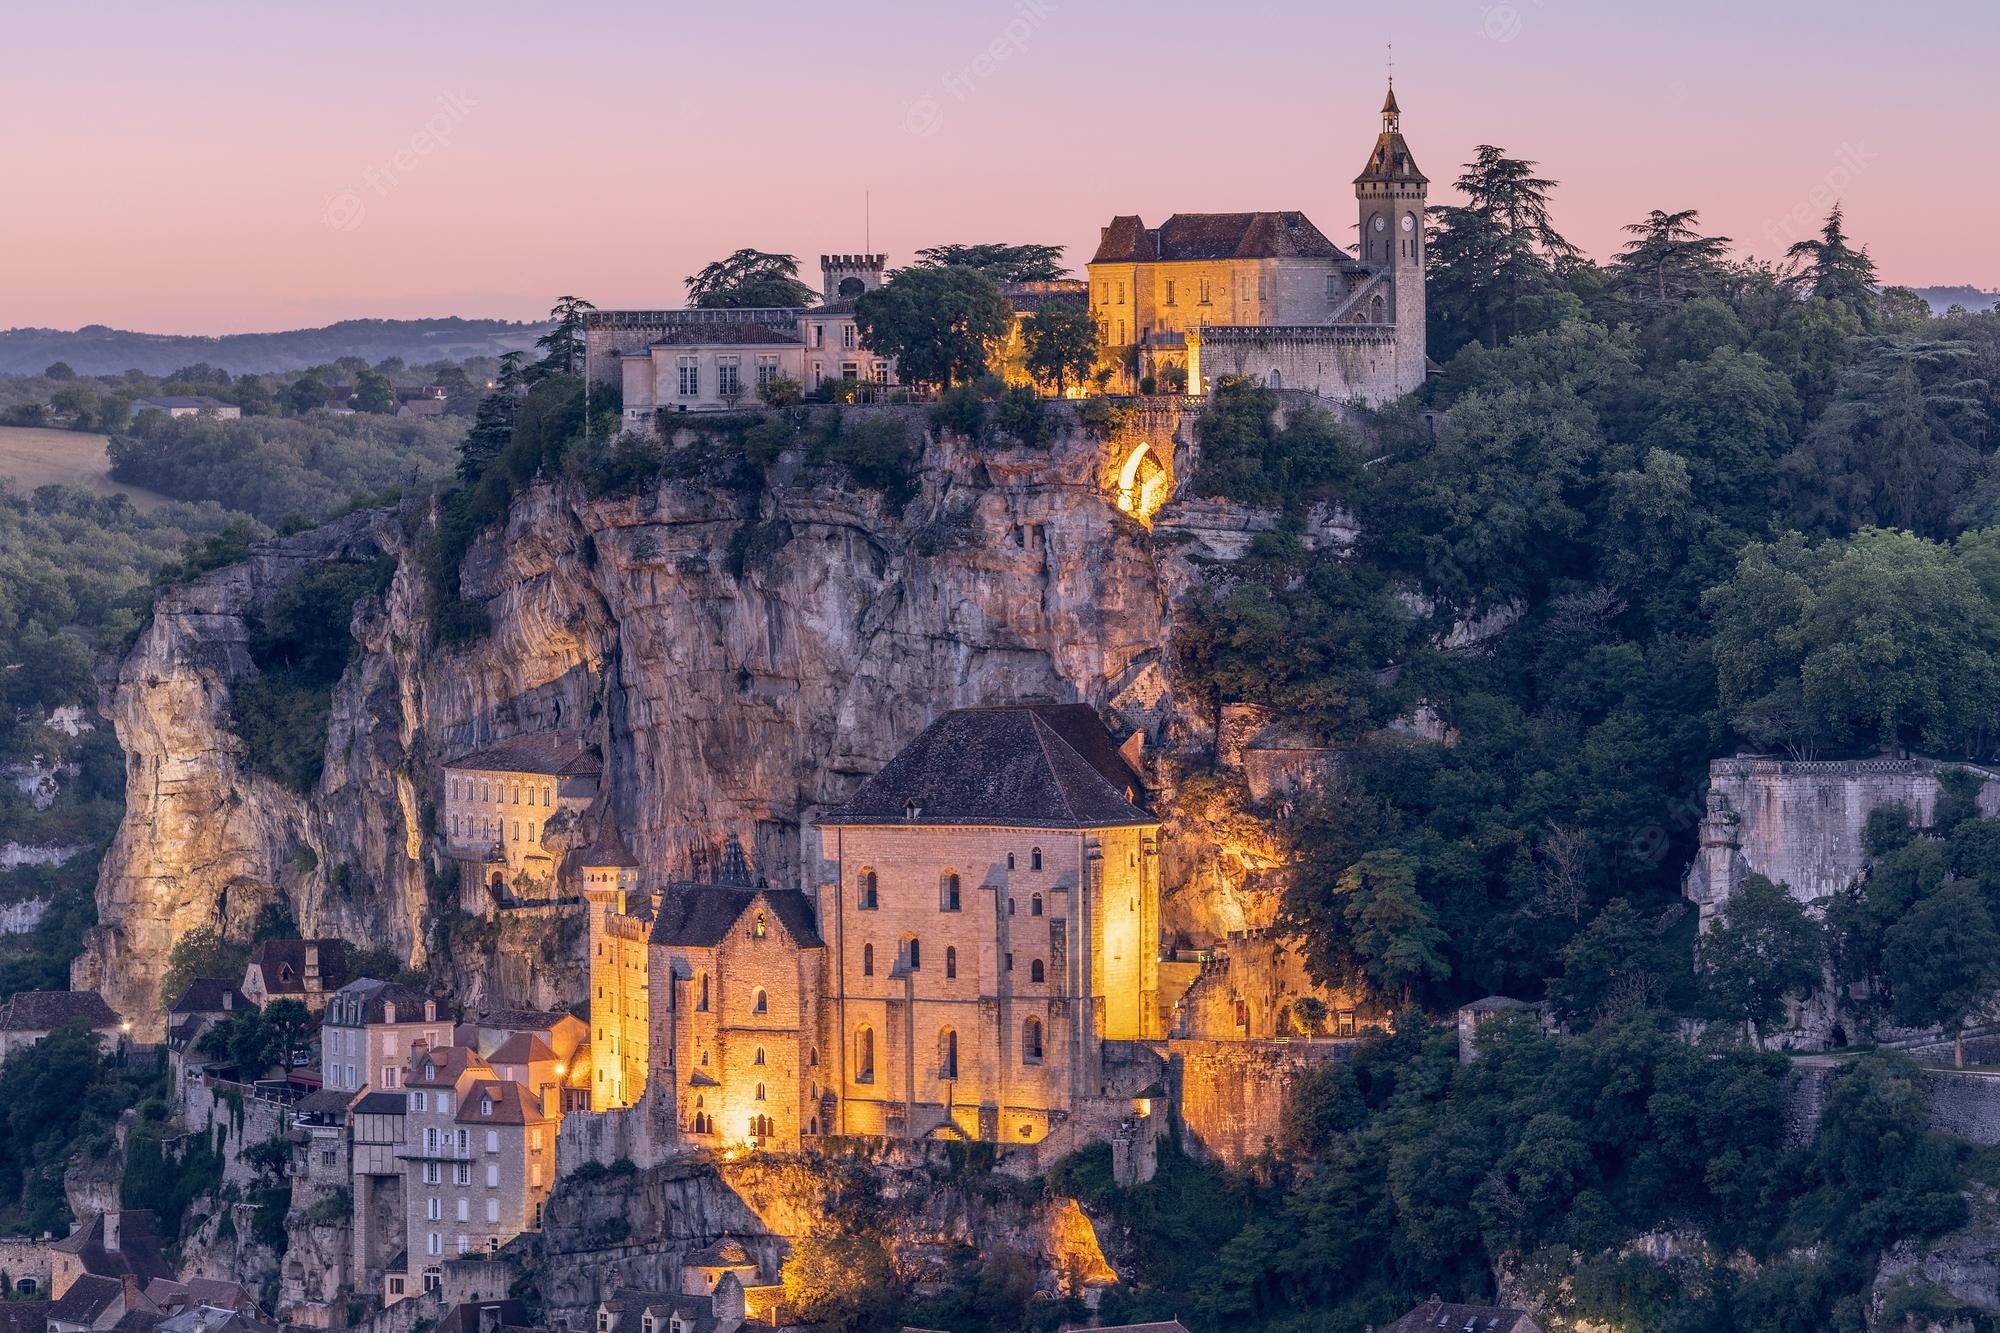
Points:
(1670, 261)
(1835, 270)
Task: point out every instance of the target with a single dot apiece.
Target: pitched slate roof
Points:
(209, 995)
(1285, 234)
(138, 1251)
(558, 754)
(520, 1049)
(367, 1000)
(1436, 1316)
(283, 964)
(87, 1298)
(512, 1104)
(24, 1316)
(699, 915)
(1031, 765)
(381, 1103)
(724, 335)
(47, 1010)
(608, 848)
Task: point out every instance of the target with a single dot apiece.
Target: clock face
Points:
(1378, 222)
(1409, 223)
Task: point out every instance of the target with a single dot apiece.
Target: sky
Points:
(209, 167)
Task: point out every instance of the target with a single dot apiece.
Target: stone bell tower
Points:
(1391, 192)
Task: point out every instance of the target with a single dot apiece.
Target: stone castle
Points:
(1260, 295)
(979, 961)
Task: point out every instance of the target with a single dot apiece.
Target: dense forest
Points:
(97, 350)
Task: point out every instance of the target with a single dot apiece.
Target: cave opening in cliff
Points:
(1143, 483)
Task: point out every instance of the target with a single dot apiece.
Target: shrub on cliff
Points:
(1247, 456)
(301, 644)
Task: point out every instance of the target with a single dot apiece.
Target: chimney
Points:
(111, 1232)
(228, 1000)
(312, 967)
(489, 1319)
(131, 1292)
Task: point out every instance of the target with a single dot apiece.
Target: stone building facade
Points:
(1267, 296)
(499, 801)
(712, 360)
(986, 926)
(1801, 822)
(370, 1028)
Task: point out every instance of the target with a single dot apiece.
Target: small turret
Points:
(844, 277)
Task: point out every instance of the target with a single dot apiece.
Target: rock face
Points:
(741, 658)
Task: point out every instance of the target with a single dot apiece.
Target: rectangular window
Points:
(728, 378)
(1260, 286)
(1121, 293)
(493, 1140)
(464, 1214)
(432, 1173)
(462, 1175)
(819, 373)
(434, 1208)
(464, 1242)
(819, 335)
(1204, 291)
(690, 380)
(847, 336)
(1332, 286)
(767, 370)
(534, 1175)
(493, 1210)
(850, 370)
(434, 1243)
(493, 1175)
(1170, 291)
(881, 372)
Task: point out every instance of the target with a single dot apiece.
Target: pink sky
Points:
(214, 167)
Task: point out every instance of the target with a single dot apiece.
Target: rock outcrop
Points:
(741, 657)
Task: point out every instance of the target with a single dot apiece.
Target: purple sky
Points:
(215, 167)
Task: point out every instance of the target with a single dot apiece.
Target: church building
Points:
(1267, 296)
(986, 924)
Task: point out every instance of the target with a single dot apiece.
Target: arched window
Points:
(812, 1058)
(760, 1092)
(1010, 907)
(948, 899)
(757, 929)
(867, 960)
(760, 1055)
(868, 897)
(1031, 1040)
(1035, 905)
(947, 1054)
(760, 1003)
(1010, 860)
(915, 953)
(1035, 859)
(950, 961)
(701, 996)
(1036, 972)
(864, 1054)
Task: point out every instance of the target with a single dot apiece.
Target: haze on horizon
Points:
(221, 167)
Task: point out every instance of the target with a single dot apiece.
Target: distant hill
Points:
(97, 350)
(1943, 298)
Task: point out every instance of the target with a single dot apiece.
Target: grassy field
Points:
(31, 456)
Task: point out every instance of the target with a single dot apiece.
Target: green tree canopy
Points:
(750, 279)
(999, 261)
(1762, 951)
(1061, 344)
(939, 323)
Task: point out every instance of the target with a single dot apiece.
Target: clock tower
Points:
(1390, 192)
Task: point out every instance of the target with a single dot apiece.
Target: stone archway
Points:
(1143, 482)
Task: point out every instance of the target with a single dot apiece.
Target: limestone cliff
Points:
(741, 657)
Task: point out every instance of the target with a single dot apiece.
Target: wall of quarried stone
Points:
(1801, 823)
(22, 1257)
(1961, 1103)
(1232, 1095)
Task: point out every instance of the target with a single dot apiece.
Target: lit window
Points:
(760, 1003)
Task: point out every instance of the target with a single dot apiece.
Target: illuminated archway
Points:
(1143, 483)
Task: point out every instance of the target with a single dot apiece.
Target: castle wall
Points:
(1341, 362)
(1231, 1096)
(1801, 823)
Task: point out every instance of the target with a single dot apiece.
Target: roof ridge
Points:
(1055, 776)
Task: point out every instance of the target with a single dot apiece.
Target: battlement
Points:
(1307, 333)
(876, 263)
